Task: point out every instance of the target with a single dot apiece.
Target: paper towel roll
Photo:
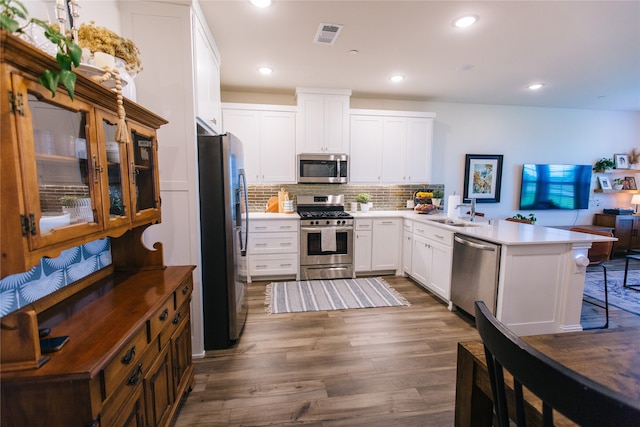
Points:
(452, 209)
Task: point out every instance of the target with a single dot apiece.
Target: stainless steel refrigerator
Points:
(224, 226)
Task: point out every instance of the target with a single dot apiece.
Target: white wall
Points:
(105, 13)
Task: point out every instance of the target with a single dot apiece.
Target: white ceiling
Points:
(586, 53)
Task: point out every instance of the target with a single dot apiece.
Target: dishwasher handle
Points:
(475, 245)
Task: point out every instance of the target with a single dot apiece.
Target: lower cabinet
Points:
(431, 258)
(127, 361)
(377, 245)
(273, 248)
(626, 229)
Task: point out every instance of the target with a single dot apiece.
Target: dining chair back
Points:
(575, 396)
(598, 253)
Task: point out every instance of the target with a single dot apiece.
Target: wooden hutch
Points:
(128, 358)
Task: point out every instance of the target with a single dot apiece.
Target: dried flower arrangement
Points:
(634, 156)
(101, 39)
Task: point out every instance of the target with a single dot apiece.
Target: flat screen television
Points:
(547, 186)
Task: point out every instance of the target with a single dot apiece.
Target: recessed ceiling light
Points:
(265, 70)
(261, 3)
(397, 78)
(354, 51)
(465, 21)
(535, 86)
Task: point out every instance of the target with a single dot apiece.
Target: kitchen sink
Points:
(447, 221)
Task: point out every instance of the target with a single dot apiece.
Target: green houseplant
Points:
(531, 218)
(67, 57)
(363, 199)
(604, 164)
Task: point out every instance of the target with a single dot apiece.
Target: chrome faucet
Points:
(472, 205)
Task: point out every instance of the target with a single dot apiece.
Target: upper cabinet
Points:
(207, 77)
(391, 147)
(65, 179)
(268, 134)
(323, 120)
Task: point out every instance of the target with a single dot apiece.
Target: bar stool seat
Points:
(636, 257)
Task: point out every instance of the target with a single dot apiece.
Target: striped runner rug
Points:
(335, 294)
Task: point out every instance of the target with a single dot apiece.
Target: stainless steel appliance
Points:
(476, 264)
(323, 168)
(326, 238)
(224, 224)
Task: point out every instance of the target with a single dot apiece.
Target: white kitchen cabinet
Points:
(362, 245)
(273, 248)
(385, 252)
(268, 133)
(391, 147)
(407, 245)
(323, 120)
(207, 77)
(431, 261)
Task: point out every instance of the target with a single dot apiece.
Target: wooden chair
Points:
(598, 253)
(573, 395)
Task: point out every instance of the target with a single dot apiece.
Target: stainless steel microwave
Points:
(323, 168)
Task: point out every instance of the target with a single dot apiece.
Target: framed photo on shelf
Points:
(604, 182)
(621, 161)
(482, 177)
(631, 183)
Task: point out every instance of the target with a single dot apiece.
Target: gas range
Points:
(323, 211)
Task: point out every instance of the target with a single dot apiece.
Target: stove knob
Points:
(328, 222)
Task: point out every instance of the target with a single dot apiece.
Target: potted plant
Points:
(70, 206)
(363, 199)
(618, 184)
(531, 219)
(101, 39)
(634, 158)
(438, 194)
(603, 165)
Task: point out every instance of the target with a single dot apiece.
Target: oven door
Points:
(311, 252)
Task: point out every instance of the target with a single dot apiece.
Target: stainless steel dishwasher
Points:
(476, 265)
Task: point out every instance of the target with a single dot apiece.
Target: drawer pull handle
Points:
(285, 265)
(185, 290)
(285, 244)
(439, 236)
(177, 318)
(134, 378)
(129, 355)
(261, 244)
(164, 315)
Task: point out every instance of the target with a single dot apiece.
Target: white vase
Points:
(364, 207)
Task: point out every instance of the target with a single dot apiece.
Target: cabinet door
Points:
(181, 352)
(366, 145)
(59, 166)
(278, 146)
(158, 389)
(207, 78)
(336, 116)
(362, 251)
(407, 248)
(385, 254)
(394, 146)
(114, 171)
(245, 124)
(419, 146)
(312, 124)
(440, 270)
(144, 184)
(421, 260)
(131, 415)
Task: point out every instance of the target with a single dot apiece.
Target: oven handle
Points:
(317, 229)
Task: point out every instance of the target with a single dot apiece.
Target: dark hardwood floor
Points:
(366, 367)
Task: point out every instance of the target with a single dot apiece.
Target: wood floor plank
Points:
(392, 366)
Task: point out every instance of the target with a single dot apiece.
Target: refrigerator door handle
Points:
(243, 185)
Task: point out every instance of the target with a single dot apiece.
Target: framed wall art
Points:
(482, 177)
(604, 182)
(631, 183)
(621, 161)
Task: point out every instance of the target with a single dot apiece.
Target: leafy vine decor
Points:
(122, 133)
(68, 52)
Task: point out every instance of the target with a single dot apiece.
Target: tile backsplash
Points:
(383, 197)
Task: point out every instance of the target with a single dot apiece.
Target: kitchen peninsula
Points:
(541, 275)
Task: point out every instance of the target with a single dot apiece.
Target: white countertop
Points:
(503, 232)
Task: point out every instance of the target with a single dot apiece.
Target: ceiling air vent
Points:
(327, 33)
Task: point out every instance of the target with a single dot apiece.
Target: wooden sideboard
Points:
(625, 227)
(127, 361)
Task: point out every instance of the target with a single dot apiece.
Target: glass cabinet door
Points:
(116, 206)
(145, 191)
(59, 162)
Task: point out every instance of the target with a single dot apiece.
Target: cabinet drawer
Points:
(266, 226)
(261, 265)
(407, 225)
(364, 224)
(161, 318)
(434, 233)
(119, 370)
(183, 292)
(273, 243)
